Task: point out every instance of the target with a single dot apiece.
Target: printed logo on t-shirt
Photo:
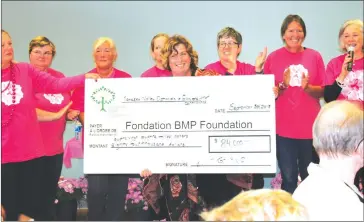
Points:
(296, 72)
(7, 96)
(353, 85)
(54, 98)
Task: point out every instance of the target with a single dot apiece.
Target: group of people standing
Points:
(37, 100)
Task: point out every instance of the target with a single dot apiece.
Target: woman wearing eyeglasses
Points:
(229, 46)
(41, 55)
(215, 188)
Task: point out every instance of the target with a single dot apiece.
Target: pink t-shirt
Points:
(296, 110)
(353, 83)
(78, 95)
(21, 139)
(156, 72)
(241, 68)
(52, 131)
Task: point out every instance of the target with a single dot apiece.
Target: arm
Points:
(331, 92)
(145, 173)
(45, 116)
(82, 117)
(314, 91)
(314, 88)
(46, 83)
(259, 62)
(333, 86)
(78, 99)
(3, 214)
(72, 114)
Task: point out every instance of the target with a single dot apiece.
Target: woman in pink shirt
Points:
(229, 46)
(106, 192)
(156, 46)
(299, 73)
(183, 196)
(41, 54)
(22, 165)
(343, 82)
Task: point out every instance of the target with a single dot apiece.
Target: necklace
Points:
(13, 93)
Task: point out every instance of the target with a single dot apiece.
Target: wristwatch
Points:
(340, 83)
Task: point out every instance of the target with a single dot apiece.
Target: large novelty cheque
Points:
(207, 124)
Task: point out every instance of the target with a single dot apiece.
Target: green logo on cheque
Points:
(103, 96)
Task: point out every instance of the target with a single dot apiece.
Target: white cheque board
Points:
(210, 124)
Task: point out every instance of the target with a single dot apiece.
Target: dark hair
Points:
(41, 41)
(288, 20)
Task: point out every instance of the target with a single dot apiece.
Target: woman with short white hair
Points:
(344, 80)
(328, 192)
(106, 192)
(344, 75)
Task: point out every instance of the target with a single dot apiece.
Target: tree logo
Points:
(103, 96)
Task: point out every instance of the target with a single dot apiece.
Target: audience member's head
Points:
(259, 205)
(338, 132)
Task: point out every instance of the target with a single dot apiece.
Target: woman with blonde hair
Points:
(344, 74)
(106, 192)
(22, 159)
(156, 46)
(259, 205)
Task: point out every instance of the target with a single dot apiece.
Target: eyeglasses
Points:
(230, 44)
(45, 54)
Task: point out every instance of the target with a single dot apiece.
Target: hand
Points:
(3, 214)
(23, 217)
(14, 62)
(259, 62)
(305, 80)
(72, 114)
(61, 112)
(344, 71)
(287, 77)
(276, 91)
(146, 173)
(94, 76)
